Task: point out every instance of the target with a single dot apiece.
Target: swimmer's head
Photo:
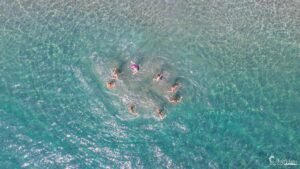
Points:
(111, 84)
(175, 99)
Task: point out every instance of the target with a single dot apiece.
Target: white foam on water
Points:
(162, 158)
(81, 78)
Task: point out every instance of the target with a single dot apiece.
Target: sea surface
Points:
(237, 63)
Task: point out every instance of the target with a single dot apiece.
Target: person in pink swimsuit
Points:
(134, 68)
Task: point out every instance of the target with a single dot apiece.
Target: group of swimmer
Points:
(135, 69)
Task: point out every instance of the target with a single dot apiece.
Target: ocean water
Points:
(237, 62)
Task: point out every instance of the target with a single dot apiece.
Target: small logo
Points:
(286, 162)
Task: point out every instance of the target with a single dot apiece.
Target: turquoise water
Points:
(237, 63)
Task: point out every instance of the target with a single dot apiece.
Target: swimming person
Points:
(158, 77)
(134, 67)
(111, 84)
(159, 113)
(115, 73)
(174, 87)
(174, 99)
(131, 109)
